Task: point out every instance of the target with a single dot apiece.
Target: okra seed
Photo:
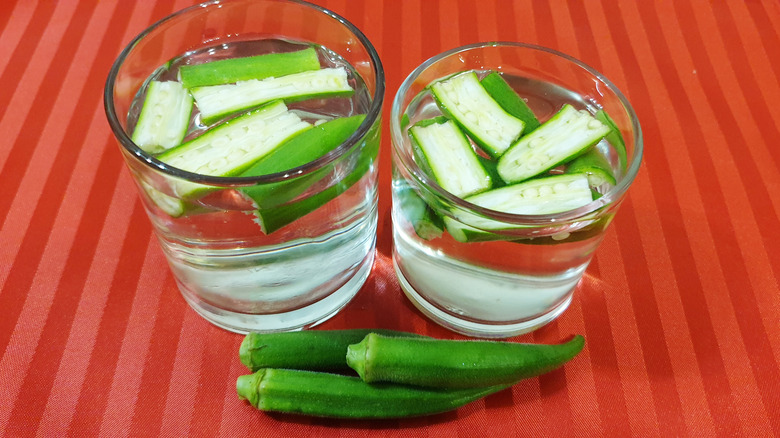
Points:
(559, 188)
(530, 193)
(594, 124)
(545, 191)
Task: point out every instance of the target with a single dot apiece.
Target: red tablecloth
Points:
(680, 306)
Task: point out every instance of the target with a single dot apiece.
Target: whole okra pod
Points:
(455, 364)
(338, 396)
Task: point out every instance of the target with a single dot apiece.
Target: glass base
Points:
(472, 328)
(298, 319)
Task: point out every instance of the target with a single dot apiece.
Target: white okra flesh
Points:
(452, 161)
(554, 194)
(217, 100)
(230, 148)
(164, 117)
(470, 104)
(561, 138)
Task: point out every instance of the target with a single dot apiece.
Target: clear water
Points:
(242, 279)
(496, 288)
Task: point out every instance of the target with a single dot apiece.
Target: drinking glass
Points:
(520, 272)
(315, 247)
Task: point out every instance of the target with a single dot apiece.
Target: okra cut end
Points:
(247, 387)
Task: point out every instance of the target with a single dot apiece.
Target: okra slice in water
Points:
(164, 117)
(303, 148)
(226, 71)
(463, 98)
(217, 101)
(233, 146)
(614, 137)
(273, 218)
(510, 101)
(446, 154)
(595, 165)
(427, 224)
(561, 138)
(313, 350)
(548, 195)
(338, 396)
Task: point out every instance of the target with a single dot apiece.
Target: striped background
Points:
(680, 306)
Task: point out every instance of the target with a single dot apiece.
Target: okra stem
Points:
(455, 364)
(337, 396)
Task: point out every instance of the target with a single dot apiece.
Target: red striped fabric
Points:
(679, 307)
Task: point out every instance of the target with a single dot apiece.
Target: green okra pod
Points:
(314, 350)
(455, 364)
(338, 396)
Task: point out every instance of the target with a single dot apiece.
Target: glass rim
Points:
(150, 161)
(423, 179)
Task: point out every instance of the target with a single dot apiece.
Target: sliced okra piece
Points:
(512, 103)
(464, 99)
(567, 134)
(164, 117)
(548, 195)
(275, 217)
(614, 137)
(337, 396)
(226, 71)
(427, 224)
(446, 154)
(217, 101)
(233, 146)
(595, 165)
(303, 148)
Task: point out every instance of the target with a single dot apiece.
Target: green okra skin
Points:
(276, 217)
(510, 101)
(314, 350)
(427, 224)
(338, 396)
(614, 137)
(593, 164)
(301, 149)
(227, 71)
(455, 364)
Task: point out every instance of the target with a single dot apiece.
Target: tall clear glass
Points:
(520, 272)
(315, 247)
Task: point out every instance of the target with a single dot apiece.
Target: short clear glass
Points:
(316, 246)
(525, 274)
